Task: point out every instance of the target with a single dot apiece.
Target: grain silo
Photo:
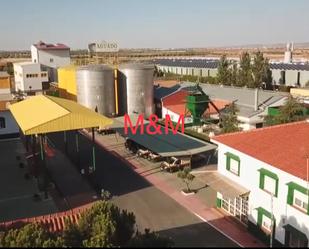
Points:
(96, 88)
(135, 89)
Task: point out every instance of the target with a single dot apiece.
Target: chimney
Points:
(256, 99)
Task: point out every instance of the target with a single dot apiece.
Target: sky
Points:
(153, 23)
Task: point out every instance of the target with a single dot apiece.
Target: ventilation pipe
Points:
(256, 99)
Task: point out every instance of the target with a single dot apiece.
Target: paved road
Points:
(16, 193)
(153, 209)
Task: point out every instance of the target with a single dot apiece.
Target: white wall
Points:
(174, 116)
(11, 126)
(60, 58)
(250, 177)
(22, 82)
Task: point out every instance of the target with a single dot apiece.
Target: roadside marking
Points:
(229, 237)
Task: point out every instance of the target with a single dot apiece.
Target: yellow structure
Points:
(67, 82)
(43, 114)
(299, 92)
(5, 80)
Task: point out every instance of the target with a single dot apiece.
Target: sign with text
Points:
(103, 47)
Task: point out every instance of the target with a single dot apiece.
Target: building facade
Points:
(287, 74)
(51, 57)
(29, 77)
(274, 173)
(5, 83)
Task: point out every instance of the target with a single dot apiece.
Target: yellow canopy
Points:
(44, 114)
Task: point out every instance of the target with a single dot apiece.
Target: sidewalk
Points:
(167, 184)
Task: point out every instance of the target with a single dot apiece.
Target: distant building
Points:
(268, 169)
(5, 83)
(286, 74)
(51, 57)
(252, 105)
(8, 125)
(29, 77)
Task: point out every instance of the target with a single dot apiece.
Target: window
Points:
(234, 166)
(2, 123)
(233, 163)
(266, 223)
(300, 201)
(51, 60)
(298, 197)
(269, 182)
(264, 220)
(258, 125)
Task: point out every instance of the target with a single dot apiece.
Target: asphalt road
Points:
(153, 209)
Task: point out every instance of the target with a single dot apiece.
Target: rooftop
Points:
(163, 144)
(47, 46)
(32, 117)
(212, 64)
(243, 97)
(283, 146)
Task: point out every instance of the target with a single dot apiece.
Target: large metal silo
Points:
(135, 89)
(96, 88)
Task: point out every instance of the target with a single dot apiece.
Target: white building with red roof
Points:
(272, 165)
(51, 57)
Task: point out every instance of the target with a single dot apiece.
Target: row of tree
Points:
(104, 225)
(250, 72)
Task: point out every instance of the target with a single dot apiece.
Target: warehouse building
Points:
(287, 74)
(51, 57)
(29, 77)
(252, 104)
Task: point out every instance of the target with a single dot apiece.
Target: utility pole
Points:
(272, 221)
(307, 157)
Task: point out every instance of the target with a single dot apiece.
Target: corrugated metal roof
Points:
(244, 97)
(212, 64)
(44, 114)
(164, 144)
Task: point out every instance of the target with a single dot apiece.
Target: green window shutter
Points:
(230, 156)
(277, 187)
(292, 187)
(228, 163)
(219, 203)
(262, 179)
(265, 172)
(262, 212)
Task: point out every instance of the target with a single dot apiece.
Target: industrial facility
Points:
(286, 73)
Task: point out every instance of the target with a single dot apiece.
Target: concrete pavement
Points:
(153, 209)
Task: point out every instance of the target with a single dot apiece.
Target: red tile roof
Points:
(176, 102)
(283, 146)
(53, 222)
(44, 46)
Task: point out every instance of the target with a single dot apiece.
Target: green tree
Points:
(234, 74)
(291, 111)
(224, 74)
(150, 239)
(31, 235)
(245, 77)
(261, 71)
(186, 176)
(106, 225)
(228, 119)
